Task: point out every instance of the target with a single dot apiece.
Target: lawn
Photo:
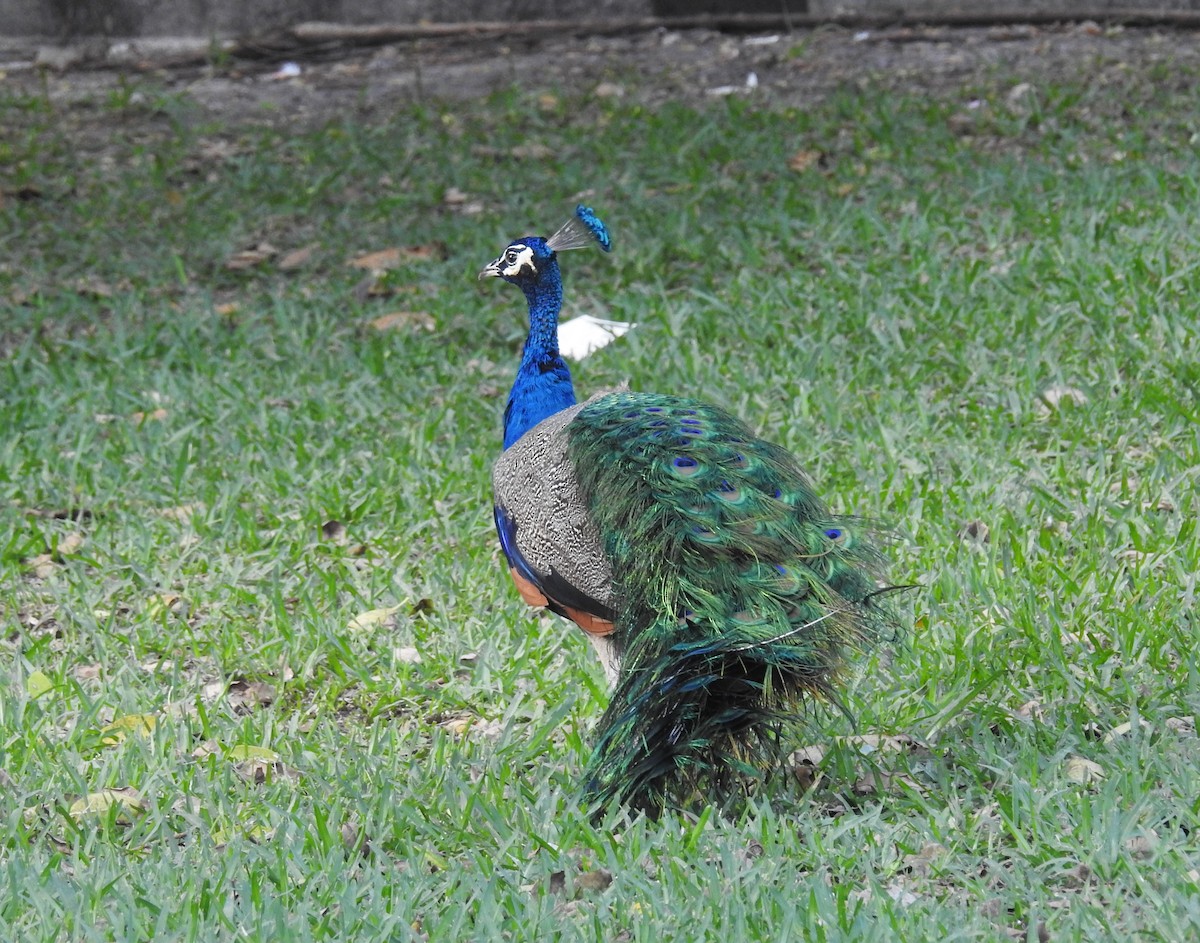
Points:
(265, 676)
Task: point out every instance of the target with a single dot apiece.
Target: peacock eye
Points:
(510, 256)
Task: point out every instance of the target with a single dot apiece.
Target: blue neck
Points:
(543, 384)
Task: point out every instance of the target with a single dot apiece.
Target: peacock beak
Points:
(492, 269)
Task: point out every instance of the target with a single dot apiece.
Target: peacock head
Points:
(525, 261)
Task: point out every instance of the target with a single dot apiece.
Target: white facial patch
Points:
(517, 259)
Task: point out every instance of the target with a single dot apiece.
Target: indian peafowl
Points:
(720, 592)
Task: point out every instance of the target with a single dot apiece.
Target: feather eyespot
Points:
(690, 422)
(685, 466)
(835, 533)
(739, 461)
(653, 409)
(777, 494)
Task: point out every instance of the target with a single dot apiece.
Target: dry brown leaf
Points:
(296, 258)
(227, 310)
(396, 256)
(70, 544)
(803, 160)
(248, 258)
(86, 672)
(398, 320)
(597, 880)
(155, 415)
(1083, 771)
(162, 603)
(454, 196)
(245, 696)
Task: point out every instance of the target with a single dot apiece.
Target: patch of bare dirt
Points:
(694, 66)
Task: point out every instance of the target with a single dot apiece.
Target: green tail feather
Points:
(741, 594)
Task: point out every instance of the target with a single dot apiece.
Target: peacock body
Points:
(721, 593)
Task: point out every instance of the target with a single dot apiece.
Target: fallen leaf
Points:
(247, 751)
(803, 160)
(296, 258)
(458, 725)
(373, 618)
(394, 257)
(1057, 396)
(227, 310)
(69, 544)
(1124, 729)
(248, 258)
(162, 603)
(86, 672)
(122, 727)
(259, 764)
(38, 684)
(125, 799)
(597, 880)
(247, 695)
(1083, 771)
(1185, 726)
(42, 566)
(407, 656)
(157, 415)
(397, 320)
(454, 196)
(900, 894)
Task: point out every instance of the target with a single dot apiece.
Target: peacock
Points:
(721, 594)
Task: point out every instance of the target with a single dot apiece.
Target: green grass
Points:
(901, 318)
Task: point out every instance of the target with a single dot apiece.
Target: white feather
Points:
(585, 334)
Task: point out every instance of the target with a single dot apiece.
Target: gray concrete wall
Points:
(83, 18)
(78, 19)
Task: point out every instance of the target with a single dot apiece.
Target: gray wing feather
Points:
(535, 484)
